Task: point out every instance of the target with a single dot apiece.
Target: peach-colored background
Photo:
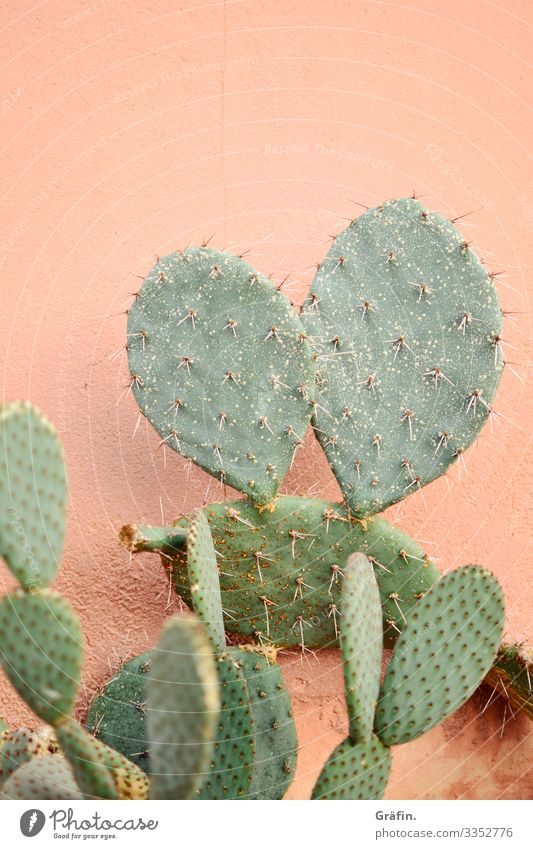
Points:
(133, 128)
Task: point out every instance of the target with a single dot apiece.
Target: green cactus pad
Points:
(41, 651)
(117, 715)
(42, 778)
(88, 765)
(19, 747)
(361, 645)
(183, 706)
(280, 571)
(33, 495)
(204, 581)
(232, 766)
(443, 654)
(221, 367)
(512, 677)
(355, 771)
(407, 326)
(276, 743)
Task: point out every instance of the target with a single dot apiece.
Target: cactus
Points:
(42, 778)
(41, 653)
(183, 708)
(440, 658)
(276, 744)
(355, 771)
(512, 677)
(443, 654)
(117, 715)
(33, 495)
(220, 366)
(256, 747)
(19, 747)
(280, 572)
(361, 646)
(407, 327)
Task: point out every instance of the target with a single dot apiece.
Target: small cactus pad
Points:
(355, 771)
(442, 655)
(33, 495)
(183, 706)
(280, 571)
(220, 366)
(100, 771)
(512, 676)
(361, 634)
(88, 764)
(19, 747)
(407, 327)
(204, 581)
(41, 651)
(42, 778)
(117, 715)
(276, 743)
(232, 765)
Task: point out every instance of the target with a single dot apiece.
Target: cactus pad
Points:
(355, 771)
(233, 760)
(42, 778)
(512, 676)
(443, 654)
(90, 770)
(220, 366)
(276, 743)
(407, 326)
(19, 747)
(33, 495)
(117, 715)
(280, 571)
(41, 651)
(204, 580)
(183, 705)
(361, 645)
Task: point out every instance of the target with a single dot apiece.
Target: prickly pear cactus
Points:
(512, 676)
(221, 367)
(276, 743)
(361, 645)
(407, 327)
(204, 581)
(117, 715)
(41, 648)
(33, 495)
(42, 778)
(280, 571)
(443, 654)
(355, 771)
(183, 709)
(232, 765)
(18, 747)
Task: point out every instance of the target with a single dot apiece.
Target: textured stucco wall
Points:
(133, 128)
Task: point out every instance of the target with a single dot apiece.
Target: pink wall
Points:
(133, 128)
